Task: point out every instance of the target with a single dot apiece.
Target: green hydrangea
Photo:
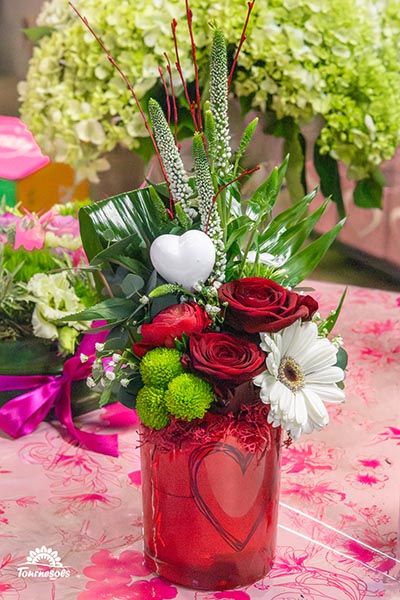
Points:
(151, 408)
(159, 366)
(302, 59)
(188, 397)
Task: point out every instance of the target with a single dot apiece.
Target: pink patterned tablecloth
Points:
(339, 515)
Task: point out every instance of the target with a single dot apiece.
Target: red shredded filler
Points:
(250, 426)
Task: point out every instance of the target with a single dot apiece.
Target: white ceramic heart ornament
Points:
(183, 259)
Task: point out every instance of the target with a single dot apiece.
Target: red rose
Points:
(170, 324)
(256, 304)
(226, 358)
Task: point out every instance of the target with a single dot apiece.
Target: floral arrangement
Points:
(303, 60)
(207, 322)
(42, 278)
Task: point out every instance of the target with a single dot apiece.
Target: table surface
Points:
(339, 515)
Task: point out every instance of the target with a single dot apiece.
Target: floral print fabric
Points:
(339, 494)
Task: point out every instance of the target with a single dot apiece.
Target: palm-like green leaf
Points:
(283, 222)
(301, 264)
(290, 240)
(136, 215)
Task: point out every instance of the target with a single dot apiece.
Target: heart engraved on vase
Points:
(229, 490)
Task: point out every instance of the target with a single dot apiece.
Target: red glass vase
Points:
(210, 510)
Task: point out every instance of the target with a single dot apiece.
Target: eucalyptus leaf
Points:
(131, 284)
(342, 358)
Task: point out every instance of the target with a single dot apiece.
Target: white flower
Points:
(301, 375)
(54, 299)
(90, 382)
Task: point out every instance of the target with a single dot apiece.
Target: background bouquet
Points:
(332, 63)
(42, 276)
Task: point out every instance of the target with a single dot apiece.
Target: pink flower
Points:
(7, 219)
(93, 501)
(390, 433)
(112, 589)
(366, 479)
(106, 591)
(155, 589)
(29, 233)
(113, 579)
(60, 224)
(109, 568)
(228, 595)
(310, 457)
(314, 492)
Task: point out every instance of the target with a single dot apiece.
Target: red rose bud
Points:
(222, 357)
(170, 324)
(255, 304)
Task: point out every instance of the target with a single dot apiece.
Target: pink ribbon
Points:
(23, 414)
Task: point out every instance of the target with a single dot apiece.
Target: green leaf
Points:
(133, 265)
(264, 198)
(368, 193)
(114, 310)
(342, 359)
(299, 266)
(245, 141)
(328, 172)
(237, 229)
(131, 284)
(35, 34)
(329, 323)
(116, 251)
(133, 213)
(284, 221)
(295, 146)
(291, 240)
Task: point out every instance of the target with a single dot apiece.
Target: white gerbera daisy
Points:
(301, 375)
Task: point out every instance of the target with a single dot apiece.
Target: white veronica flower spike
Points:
(300, 376)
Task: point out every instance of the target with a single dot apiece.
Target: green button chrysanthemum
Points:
(188, 397)
(159, 366)
(151, 408)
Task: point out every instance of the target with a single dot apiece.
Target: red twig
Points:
(174, 107)
(160, 71)
(189, 15)
(179, 69)
(131, 89)
(243, 38)
(223, 187)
